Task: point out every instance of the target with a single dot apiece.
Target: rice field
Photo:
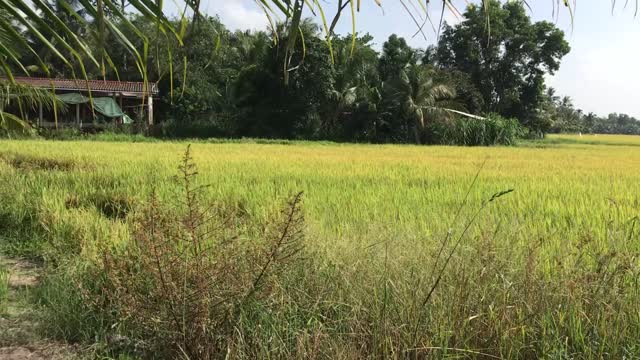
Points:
(379, 213)
(359, 193)
(593, 139)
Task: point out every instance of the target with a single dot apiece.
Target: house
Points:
(94, 103)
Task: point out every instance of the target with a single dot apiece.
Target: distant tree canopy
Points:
(505, 56)
(565, 118)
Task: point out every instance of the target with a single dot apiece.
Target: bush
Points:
(182, 281)
(493, 130)
(60, 134)
(203, 126)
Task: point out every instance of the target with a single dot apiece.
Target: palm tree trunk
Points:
(418, 128)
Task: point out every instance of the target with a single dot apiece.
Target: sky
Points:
(601, 73)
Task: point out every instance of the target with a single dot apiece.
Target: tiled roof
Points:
(93, 85)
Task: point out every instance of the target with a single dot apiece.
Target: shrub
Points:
(492, 130)
(214, 125)
(71, 133)
(181, 282)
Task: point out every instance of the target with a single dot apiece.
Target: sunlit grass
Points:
(574, 207)
(354, 192)
(594, 139)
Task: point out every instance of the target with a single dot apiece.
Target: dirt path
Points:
(20, 337)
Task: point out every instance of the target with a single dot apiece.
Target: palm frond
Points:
(442, 91)
(13, 125)
(28, 96)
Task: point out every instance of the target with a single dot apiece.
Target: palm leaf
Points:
(28, 95)
(14, 125)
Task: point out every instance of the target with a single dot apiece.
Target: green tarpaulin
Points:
(104, 105)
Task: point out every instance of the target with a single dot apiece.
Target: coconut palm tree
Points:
(355, 66)
(420, 96)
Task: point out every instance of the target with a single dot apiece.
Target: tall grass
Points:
(551, 270)
(493, 130)
(4, 288)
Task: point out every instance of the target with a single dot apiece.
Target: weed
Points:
(182, 281)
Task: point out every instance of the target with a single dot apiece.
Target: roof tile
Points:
(85, 85)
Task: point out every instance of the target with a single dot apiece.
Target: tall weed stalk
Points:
(183, 280)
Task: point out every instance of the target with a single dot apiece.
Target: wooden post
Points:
(40, 114)
(78, 116)
(150, 111)
(121, 108)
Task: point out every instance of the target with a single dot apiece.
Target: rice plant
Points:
(4, 289)
(549, 270)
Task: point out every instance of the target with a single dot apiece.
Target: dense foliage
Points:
(506, 57)
(220, 83)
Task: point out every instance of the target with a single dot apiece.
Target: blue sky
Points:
(601, 74)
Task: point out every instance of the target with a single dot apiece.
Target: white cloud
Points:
(238, 14)
(602, 76)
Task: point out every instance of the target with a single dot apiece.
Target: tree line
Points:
(569, 119)
(222, 83)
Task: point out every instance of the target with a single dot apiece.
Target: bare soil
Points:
(20, 338)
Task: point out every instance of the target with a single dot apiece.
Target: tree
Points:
(566, 117)
(109, 15)
(312, 85)
(506, 57)
(292, 110)
(467, 95)
(355, 69)
(420, 97)
(396, 55)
